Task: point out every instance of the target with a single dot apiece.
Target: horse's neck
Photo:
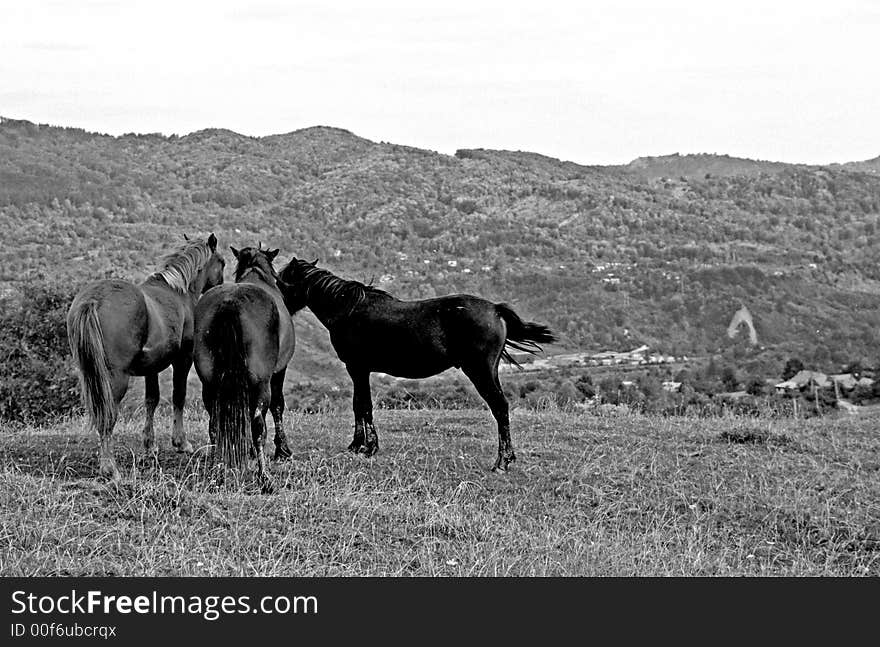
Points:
(193, 289)
(326, 314)
(156, 282)
(255, 276)
(328, 309)
(196, 286)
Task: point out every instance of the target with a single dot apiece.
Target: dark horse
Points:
(244, 339)
(117, 329)
(373, 331)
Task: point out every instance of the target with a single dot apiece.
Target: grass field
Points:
(630, 495)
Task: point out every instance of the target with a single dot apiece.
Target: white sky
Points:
(594, 82)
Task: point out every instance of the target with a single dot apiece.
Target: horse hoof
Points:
(184, 447)
(355, 448)
(370, 450)
(502, 463)
(501, 467)
(282, 454)
(111, 473)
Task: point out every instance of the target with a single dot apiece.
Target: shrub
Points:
(38, 380)
(466, 206)
(567, 393)
(585, 385)
(756, 386)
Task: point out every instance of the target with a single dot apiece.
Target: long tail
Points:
(522, 335)
(230, 422)
(86, 341)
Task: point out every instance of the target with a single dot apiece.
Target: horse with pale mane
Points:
(117, 329)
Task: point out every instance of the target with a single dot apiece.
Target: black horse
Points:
(373, 331)
(244, 339)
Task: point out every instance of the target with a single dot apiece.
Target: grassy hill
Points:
(866, 166)
(608, 256)
(700, 166)
(588, 496)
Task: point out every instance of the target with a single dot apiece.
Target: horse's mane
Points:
(241, 272)
(179, 268)
(322, 284)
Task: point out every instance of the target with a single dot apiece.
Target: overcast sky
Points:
(593, 82)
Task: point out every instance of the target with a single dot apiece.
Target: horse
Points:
(117, 329)
(244, 339)
(372, 331)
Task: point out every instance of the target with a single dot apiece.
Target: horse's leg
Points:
(151, 401)
(258, 434)
(485, 378)
(363, 403)
(357, 443)
(371, 439)
(282, 451)
(106, 461)
(366, 440)
(181, 372)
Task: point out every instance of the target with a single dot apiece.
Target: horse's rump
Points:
(105, 330)
(236, 333)
(524, 336)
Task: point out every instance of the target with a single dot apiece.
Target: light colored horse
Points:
(117, 329)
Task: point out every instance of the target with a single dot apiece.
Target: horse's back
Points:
(438, 316)
(286, 332)
(122, 315)
(254, 316)
(418, 338)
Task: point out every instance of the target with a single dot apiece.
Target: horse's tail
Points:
(230, 421)
(86, 341)
(522, 335)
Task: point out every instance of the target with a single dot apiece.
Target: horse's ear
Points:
(212, 242)
(271, 254)
(315, 262)
(234, 251)
(186, 238)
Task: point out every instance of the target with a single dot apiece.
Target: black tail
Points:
(522, 335)
(230, 420)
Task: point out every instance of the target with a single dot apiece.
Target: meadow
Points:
(589, 496)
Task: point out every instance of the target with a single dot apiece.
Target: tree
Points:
(792, 367)
(728, 378)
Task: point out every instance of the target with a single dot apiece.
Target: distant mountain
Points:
(701, 165)
(867, 166)
(610, 257)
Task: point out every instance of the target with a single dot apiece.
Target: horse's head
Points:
(255, 258)
(213, 268)
(293, 284)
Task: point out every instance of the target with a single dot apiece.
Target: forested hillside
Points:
(611, 257)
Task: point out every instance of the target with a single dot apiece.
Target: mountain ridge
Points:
(640, 163)
(610, 258)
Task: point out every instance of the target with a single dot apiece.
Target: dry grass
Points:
(631, 495)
